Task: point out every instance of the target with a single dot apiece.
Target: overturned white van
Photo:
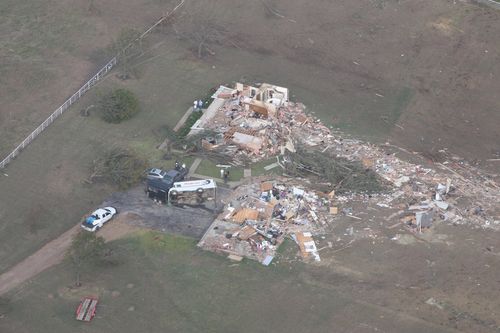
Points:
(192, 191)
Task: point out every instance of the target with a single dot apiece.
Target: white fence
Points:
(491, 3)
(76, 96)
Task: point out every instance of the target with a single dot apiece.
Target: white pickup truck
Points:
(97, 219)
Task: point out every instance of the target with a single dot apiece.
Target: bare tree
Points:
(92, 8)
(127, 48)
(198, 24)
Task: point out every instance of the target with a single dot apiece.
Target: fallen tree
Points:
(120, 167)
(344, 175)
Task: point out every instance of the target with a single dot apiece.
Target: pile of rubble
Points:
(255, 123)
(454, 191)
(258, 216)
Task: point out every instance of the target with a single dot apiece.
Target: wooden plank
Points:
(235, 257)
(266, 186)
(245, 214)
(246, 232)
(230, 132)
(302, 239)
(271, 166)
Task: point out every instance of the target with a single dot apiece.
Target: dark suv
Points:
(160, 186)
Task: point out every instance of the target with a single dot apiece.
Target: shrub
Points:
(186, 128)
(118, 105)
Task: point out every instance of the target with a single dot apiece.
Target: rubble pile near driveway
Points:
(258, 216)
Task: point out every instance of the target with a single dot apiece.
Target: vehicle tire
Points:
(199, 191)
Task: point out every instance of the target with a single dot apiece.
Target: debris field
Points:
(259, 215)
(256, 123)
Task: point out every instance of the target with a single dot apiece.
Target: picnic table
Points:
(86, 309)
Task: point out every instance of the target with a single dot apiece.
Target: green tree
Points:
(118, 105)
(86, 248)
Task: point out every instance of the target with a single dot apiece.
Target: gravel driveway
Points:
(186, 220)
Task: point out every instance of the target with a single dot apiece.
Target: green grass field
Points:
(44, 193)
(39, 39)
(258, 168)
(210, 169)
(163, 283)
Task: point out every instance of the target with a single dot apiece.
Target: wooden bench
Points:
(86, 309)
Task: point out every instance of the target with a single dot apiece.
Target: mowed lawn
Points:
(154, 282)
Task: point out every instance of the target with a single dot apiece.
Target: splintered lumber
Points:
(246, 232)
(235, 257)
(266, 186)
(245, 214)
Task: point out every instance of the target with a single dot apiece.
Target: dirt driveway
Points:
(53, 252)
(187, 221)
(136, 212)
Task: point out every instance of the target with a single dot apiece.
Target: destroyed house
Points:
(264, 99)
(254, 122)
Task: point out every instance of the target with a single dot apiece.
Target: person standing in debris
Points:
(226, 175)
(200, 105)
(195, 105)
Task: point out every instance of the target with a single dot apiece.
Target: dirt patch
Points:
(77, 293)
(445, 26)
(121, 226)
